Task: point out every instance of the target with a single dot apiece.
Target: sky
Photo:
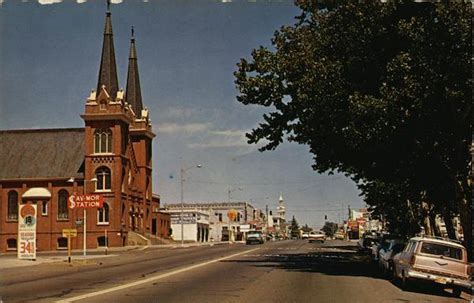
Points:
(187, 53)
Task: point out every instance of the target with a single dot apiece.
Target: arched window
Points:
(63, 212)
(12, 205)
(44, 208)
(103, 214)
(103, 178)
(102, 141)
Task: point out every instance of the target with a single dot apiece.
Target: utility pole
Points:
(266, 216)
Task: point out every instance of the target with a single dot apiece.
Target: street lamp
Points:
(94, 180)
(182, 171)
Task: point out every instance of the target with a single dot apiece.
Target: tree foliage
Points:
(330, 228)
(378, 91)
(306, 228)
(294, 228)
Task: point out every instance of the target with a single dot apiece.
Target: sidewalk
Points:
(10, 260)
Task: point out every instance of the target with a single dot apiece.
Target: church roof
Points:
(41, 153)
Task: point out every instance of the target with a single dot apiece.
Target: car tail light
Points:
(412, 260)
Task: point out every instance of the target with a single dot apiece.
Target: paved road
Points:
(286, 271)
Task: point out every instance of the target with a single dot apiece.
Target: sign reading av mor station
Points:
(86, 201)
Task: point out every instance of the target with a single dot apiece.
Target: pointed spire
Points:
(108, 68)
(133, 94)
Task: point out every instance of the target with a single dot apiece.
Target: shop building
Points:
(245, 216)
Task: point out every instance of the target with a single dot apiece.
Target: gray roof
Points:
(216, 205)
(41, 153)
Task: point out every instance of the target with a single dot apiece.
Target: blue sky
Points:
(187, 53)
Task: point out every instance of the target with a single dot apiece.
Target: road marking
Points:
(148, 280)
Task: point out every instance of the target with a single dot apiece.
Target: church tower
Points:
(118, 139)
(141, 137)
(281, 210)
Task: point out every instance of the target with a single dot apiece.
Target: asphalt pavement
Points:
(280, 271)
(10, 260)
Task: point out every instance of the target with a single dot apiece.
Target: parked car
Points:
(382, 242)
(270, 237)
(365, 243)
(436, 260)
(305, 236)
(386, 254)
(339, 236)
(316, 236)
(255, 236)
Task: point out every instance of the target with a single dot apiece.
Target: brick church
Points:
(111, 155)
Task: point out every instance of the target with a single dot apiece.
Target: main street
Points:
(281, 271)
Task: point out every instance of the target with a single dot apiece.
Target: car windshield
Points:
(254, 235)
(441, 250)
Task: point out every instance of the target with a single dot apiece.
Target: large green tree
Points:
(378, 91)
(330, 228)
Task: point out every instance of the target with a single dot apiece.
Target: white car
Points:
(316, 236)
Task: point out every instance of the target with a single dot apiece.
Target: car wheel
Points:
(405, 283)
(390, 269)
(395, 277)
(385, 271)
(457, 292)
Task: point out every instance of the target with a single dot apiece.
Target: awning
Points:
(37, 192)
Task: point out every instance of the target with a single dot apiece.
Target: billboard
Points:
(27, 231)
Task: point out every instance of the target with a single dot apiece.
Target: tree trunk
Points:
(426, 221)
(465, 209)
(448, 222)
(467, 226)
(434, 227)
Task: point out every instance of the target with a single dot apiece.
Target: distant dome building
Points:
(281, 210)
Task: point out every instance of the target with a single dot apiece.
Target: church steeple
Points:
(133, 94)
(108, 68)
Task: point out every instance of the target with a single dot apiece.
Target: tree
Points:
(330, 228)
(380, 92)
(306, 228)
(294, 228)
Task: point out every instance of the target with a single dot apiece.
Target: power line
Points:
(263, 183)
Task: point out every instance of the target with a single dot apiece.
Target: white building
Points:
(219, 222)
(279, 221)
(195, 225)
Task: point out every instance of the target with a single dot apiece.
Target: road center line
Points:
(148, 280)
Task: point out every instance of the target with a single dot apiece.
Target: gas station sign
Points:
(86, 201)
(27, 231)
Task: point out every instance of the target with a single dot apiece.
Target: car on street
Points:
(316, 236)
(387, 253)
(339, 236)
(255, 237)
(305, 235)
(381, 243)
(435, 260)
(365, 243)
